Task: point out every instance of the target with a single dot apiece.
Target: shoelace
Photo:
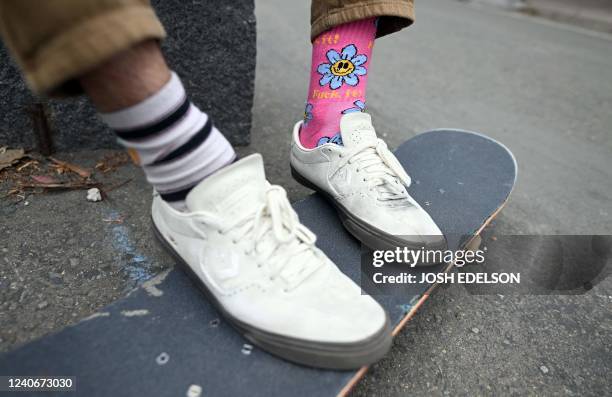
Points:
(381, 168)
(285, 243)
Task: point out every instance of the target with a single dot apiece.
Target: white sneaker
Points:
(367, 185)
(244, 246)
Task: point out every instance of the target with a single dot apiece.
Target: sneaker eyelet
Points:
(285, 290)
(271, 278)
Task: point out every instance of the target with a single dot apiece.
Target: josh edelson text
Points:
(411, 258)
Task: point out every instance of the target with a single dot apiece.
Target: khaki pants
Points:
(56, 41)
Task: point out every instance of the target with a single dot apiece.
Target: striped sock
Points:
(176, 143)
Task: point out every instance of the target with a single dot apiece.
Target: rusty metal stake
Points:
(41, 128)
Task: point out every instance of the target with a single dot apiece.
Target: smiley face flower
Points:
(342, 68)
(308, 113)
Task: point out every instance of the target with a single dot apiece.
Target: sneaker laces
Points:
(280, 240)
(381, 168)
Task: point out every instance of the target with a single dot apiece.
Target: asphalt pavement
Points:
(541, 88)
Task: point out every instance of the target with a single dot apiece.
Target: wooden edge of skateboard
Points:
(363, 370)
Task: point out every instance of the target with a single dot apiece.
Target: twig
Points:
(61, 185)
(83, 173)
(29, 163)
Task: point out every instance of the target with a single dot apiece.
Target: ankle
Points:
(338, 80)
(176, 143)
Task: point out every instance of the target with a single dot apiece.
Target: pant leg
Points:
(394, 14)
(56, 41)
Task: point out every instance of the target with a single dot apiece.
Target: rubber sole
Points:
(369, 235)
(340, 356)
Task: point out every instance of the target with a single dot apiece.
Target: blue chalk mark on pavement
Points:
(137, 266)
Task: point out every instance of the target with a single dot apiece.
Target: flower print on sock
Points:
(343, 68)
(359, 107)
(308, 113)
(337, 139)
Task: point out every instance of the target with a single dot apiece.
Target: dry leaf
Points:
(112, 161)
(44, 179)
(9, 157)
(82, 172)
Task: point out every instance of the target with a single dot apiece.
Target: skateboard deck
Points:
(165, 339)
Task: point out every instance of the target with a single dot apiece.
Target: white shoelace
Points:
(381, 168)
(278, 238)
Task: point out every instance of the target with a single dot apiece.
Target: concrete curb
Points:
(211, 45)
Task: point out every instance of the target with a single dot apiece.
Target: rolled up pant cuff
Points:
(394, 16)
(81, 48)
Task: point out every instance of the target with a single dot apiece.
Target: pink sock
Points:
(338, 80)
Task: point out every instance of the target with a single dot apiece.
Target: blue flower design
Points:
(342, 68)
(359, 107)
(337, 139)
(308, 113)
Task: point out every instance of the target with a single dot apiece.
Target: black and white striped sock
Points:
(176, 143)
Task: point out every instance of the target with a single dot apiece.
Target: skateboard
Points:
(165, 339)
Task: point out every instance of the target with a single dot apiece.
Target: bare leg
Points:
(128, 78)
(146, 105)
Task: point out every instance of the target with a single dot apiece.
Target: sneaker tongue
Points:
(233, 190)
(356, 128)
